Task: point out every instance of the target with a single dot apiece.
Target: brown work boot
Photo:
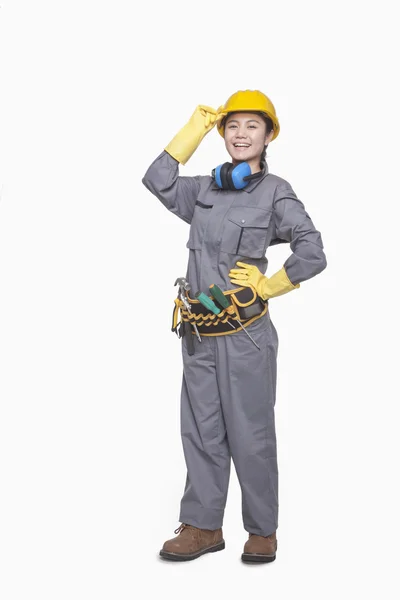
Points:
(259, 548)
(192, 542)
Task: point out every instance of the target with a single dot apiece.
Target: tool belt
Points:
(247, 304)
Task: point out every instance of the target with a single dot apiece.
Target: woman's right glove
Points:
(188, 139)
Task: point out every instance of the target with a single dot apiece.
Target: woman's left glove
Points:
(266, 287)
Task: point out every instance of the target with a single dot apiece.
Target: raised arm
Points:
(177, 193)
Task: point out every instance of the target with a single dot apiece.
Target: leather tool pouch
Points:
(247, 305)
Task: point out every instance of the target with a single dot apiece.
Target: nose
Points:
(241, 131)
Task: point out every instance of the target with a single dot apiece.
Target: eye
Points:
(253, 126)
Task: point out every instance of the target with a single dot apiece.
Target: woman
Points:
(229, 376)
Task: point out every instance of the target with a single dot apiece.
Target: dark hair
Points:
(270, 127)
(269, 124)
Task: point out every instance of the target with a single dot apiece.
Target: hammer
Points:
(184, 285)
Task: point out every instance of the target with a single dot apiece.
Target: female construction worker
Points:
(229, 355)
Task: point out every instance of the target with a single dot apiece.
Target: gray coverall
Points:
(229, 386)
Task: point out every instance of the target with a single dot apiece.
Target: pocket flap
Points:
(250, 217)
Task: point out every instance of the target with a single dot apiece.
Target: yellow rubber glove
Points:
(266, 287)
(188, 139)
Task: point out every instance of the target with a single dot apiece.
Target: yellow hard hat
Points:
(249, 101)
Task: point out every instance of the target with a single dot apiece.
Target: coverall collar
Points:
(253, 183)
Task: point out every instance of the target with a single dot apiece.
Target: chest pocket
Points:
(246, 231)
(201, 215)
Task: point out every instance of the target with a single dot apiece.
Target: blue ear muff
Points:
(229, 177)
(237, 175)
(224, 175)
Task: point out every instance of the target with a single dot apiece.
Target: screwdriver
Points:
(208, 303)
(224, 302)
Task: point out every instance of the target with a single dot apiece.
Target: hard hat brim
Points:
(221, 126)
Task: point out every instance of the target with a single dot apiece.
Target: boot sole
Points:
(258, 558)
(181, 557)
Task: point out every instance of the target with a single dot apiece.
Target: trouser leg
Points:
(247, 380)
(204, 439)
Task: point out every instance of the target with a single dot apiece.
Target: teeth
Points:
(241, 145)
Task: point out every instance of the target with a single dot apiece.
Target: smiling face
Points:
(245, 136)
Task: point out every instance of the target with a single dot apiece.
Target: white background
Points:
(91, 466)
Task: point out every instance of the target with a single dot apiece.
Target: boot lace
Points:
(184, 526)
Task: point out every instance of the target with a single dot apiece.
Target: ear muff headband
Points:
(230, 177)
